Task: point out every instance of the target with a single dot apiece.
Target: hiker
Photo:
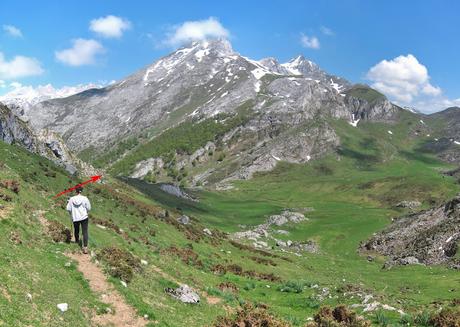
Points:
(78, 207)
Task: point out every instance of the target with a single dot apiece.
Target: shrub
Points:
(251, 316)
(447, 317)
(338, 317)
(58, 232)
(11, 184)
(122, 264)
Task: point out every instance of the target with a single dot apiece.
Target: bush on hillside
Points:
(447, 317)
(251, 316)
(340, 316)
(121, 263)
(58, 232)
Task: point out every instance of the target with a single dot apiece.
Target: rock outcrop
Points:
(13, 130)
(184, 294)
(427, 237)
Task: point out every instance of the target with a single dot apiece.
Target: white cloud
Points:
(12, 30)
(429, 89)
(402, 78)
(311, 42)
(406, 82)
(19, 66)
(83, 52)
(327, 31)
(198, 30)
(110, 26)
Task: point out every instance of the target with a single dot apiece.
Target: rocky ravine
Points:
(427, 237)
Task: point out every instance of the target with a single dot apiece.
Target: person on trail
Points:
(78, 207)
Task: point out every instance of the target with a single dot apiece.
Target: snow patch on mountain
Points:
(24, 96)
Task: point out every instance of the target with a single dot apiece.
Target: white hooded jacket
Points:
(78, 206)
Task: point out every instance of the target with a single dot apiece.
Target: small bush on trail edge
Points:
(58, 232)
(338, 317)
(122, 264)
(251, 316)
(447, 317)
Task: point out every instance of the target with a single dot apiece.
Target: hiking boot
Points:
(85, 250)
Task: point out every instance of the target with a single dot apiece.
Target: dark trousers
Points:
(84, 228)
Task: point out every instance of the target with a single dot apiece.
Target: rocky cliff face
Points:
(14, 130)
(446, 145)
(48, 144)
(427, 237)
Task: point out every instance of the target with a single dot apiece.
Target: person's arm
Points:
(88, 204)
(69, 206)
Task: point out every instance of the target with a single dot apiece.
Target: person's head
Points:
(79, 189)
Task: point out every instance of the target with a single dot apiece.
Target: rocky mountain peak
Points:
(301, 66)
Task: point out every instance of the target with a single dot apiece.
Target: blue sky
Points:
(408, 49)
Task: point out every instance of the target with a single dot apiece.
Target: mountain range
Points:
(275, 105)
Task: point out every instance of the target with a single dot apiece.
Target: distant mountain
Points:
(446, 142)
(23, 97)
(254, 113)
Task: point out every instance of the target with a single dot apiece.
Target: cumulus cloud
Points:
(110, 26)
(327, 31)
(311, 42)
(12, 30)
(19, 66)
(402, 78)
(198, 30)
(406, 82)
(83, 52)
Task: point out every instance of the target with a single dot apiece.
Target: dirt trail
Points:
(124, 315)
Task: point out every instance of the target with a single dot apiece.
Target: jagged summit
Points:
(301, 66)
